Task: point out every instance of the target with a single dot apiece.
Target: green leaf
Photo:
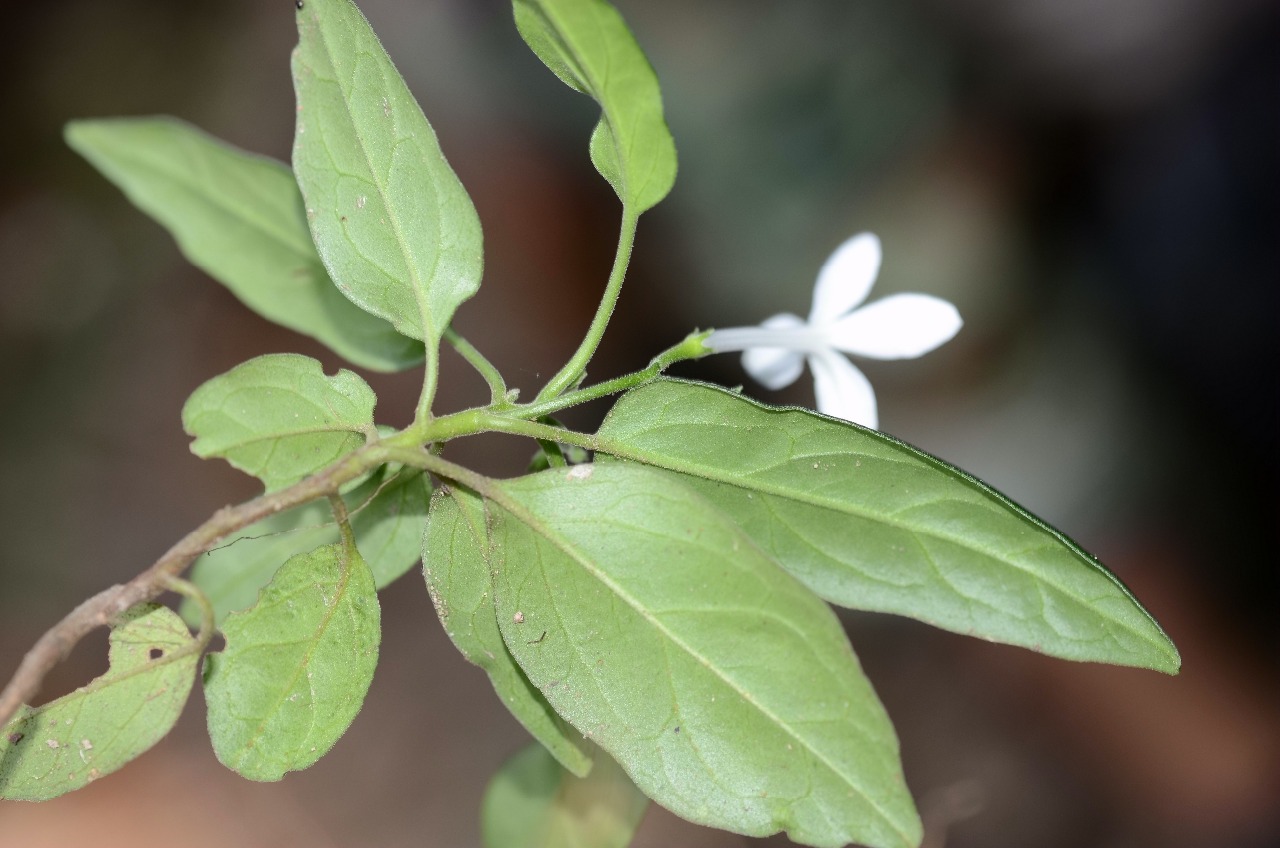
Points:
(724, 687)
(534, 803)
(394, 227)
(587, 45)
(455, 562)
(388, 514)
(871, 523)
(238, 217)
(279, 418)
(54, 749)
(296, 666)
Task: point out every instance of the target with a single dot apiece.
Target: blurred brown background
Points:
(1093, 183)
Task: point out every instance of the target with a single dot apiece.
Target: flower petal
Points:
(901, 326)
(842, 390)
(845, 279)
(775, 367)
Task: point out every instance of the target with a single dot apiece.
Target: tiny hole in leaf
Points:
(156, 653)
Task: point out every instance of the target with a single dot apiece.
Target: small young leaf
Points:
(534, 803)
(587, 45)
(724, 687)
(296, 666)
(394, 227)
(238, 217)
(279, 418)
(387, 518)
(51, 750)
(455, 562)
(871, 523)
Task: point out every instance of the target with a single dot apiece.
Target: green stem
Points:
(542, 432)
(497, 386)
(430, 376)
(573, 370)
(690, 348)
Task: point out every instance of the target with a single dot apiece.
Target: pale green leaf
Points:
(238, 217)
(393, 226)
(456, 566)
(279, 417)
(51, 750)
(532, 802)
(388, 513)
(871, 523)
(297, 665)
(588, 46)
(724, 687)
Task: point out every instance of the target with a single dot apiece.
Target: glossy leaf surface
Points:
(871, 523)
(387, 518)
(279, 417)
(238, 217)
(588, 46)
(456, 565)
(532, 802)
(393, 226)
(297, 665)
(724, 687)
(65, 744)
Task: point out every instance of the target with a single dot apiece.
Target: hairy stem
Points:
(407, 447)
(573, 370)
(497, 386)
(430, 377)
(103, 608)
(691, 347)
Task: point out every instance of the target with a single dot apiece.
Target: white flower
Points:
(901, 326)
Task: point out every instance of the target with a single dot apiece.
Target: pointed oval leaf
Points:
(65, 744)
(279, 417)
(238, 217)
(456, 566)
(297, 665)
(587, 44)
(394, 227)
(534, 803)
(724, 687)
(871, 523)
(387, 518)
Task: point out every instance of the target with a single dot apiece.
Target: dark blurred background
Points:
(1093, 182)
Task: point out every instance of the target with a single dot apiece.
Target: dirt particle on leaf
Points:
(15, 738)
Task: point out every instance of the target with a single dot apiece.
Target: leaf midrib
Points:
(693, 469)
(264, 225)
(308, 653)
(415, 280)
(521, 513)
